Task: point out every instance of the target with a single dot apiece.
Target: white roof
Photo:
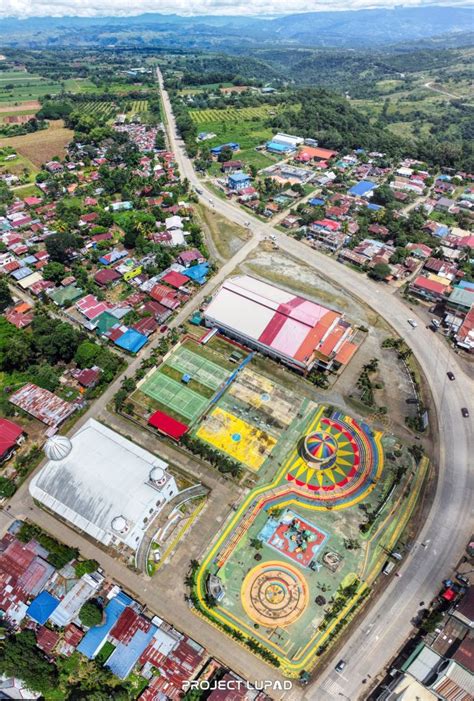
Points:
(174, 222)
(104, 476)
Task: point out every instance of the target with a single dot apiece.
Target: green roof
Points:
(65, 296)
(105, 321)
(462, 298)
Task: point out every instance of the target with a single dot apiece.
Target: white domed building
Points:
(103, 484)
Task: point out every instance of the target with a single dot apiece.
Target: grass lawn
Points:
(105, 652)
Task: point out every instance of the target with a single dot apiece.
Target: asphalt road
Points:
(449, 523)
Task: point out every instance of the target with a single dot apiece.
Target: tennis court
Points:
(174, 395)
(199, 368)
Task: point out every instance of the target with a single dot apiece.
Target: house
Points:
(419, 250)
(190, 257)
(316, 153)
(42, 404)
(364, 188)
(11, 436)
(88, 377)
(106, 278)
(231, 166)
(465, 334)
(290, 222)
(428, 289)
(238, 181)
(444, 204)
(175, 279)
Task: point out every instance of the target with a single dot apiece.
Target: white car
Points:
(413, 323)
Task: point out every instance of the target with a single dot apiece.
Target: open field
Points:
(41, 146)
(16, 86)
(19, 108)
(225, 236)
(248, 134)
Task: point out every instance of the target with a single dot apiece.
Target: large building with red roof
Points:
(295, 330)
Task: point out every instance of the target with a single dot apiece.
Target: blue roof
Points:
(198, 273)
(96, 636)
(362, 188)
(281, 148)
(234, 146)
(42, 607)
(316, 202)
(374, 207)
(466, 285)
(125, 656)
(131, 341)
(441, 230)
(239, 177)
(21, 273)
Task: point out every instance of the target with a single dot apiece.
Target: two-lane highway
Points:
(449, 523)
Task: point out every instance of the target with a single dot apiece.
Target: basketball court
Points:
(240, 440)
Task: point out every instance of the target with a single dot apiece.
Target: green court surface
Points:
(201, 369)
(176, 396)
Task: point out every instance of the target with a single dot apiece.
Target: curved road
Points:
(449, 523)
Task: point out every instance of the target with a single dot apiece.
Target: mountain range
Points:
(348, 29)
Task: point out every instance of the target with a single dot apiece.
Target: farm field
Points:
(16, 86)
(137, 107)
(17, 166)
(232, 114)
(41, 146)
(106, 109)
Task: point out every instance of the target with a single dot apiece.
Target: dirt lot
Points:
(41, 146)
(20, 106)
(222, 237)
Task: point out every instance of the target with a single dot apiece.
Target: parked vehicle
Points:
(451, 376)
(412, 322)
(465, 412)
(340, 666)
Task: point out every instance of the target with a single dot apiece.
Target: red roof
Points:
(105, 277)
(167, 425)
(46, 639)
(73, 635)
(425, 283)
(175, 279)
(9, 434)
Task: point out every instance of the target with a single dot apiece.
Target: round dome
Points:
(119, 524)
(157, 475)
(57, 447)
(320, 447)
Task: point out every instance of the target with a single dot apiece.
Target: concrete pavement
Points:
(449, 523)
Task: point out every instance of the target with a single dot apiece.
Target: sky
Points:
(91, 8)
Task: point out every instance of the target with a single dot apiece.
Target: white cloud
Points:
(92, 8)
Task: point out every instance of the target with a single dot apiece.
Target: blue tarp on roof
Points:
(124, 657)
(131, 341)
(362, 188)
(374, 207)
(42, 607)
(316, 202)
(96, 637)
(198, 273)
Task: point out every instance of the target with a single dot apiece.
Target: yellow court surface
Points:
(245, 443)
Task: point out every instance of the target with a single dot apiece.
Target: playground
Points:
(235, 437)
(306, 544)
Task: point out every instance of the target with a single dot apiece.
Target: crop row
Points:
(228, 115)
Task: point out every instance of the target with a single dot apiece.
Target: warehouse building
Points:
(295, 330)
(103, 484)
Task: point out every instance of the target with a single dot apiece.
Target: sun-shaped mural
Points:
(338, 455)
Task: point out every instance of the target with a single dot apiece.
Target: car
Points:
(451, 376)
(340, 666)
(163, 329)
(412, 322)
(465, 412)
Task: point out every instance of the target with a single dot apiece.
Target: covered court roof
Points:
(167, 425)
